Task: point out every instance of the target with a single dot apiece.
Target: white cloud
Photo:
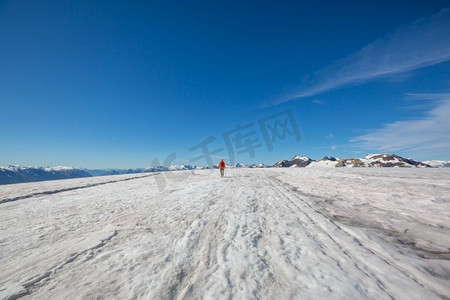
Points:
(333, 147)
(329, 136)
(430, 133)
(423, 43)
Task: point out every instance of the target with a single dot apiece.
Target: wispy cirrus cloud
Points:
(423, 43)
(431, 133)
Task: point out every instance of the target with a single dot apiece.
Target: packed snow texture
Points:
(309, 233)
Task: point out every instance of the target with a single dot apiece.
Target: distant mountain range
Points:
(438, 163)
(182, 167)
(371, 160)
(19, 174)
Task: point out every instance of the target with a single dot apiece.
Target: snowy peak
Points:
(381, 161)
(326, 162)
(296, 161)
(438, 163)
(392, 160)
(181, 167)
(304, 158)
(260, 165)
(156, 169)
(241, 165)
(326, 158)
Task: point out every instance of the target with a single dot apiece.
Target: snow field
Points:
(255, 234)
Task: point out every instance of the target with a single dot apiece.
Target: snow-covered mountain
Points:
(182, 167)
(371, 160)
(438, 163)
(242, 165)
(18, 174)
(156, 169)
(326, 162)
(382, 160)
(260, 165)
(296, 161)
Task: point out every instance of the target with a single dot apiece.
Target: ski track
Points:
(250, 235)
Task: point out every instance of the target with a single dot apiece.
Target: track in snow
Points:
(247, 236)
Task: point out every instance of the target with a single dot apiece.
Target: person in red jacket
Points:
(222, 168)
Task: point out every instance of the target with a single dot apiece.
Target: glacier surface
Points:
(288, 233)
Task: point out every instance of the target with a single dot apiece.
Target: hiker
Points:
(222, 168)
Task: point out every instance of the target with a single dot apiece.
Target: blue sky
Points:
(101, 84)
